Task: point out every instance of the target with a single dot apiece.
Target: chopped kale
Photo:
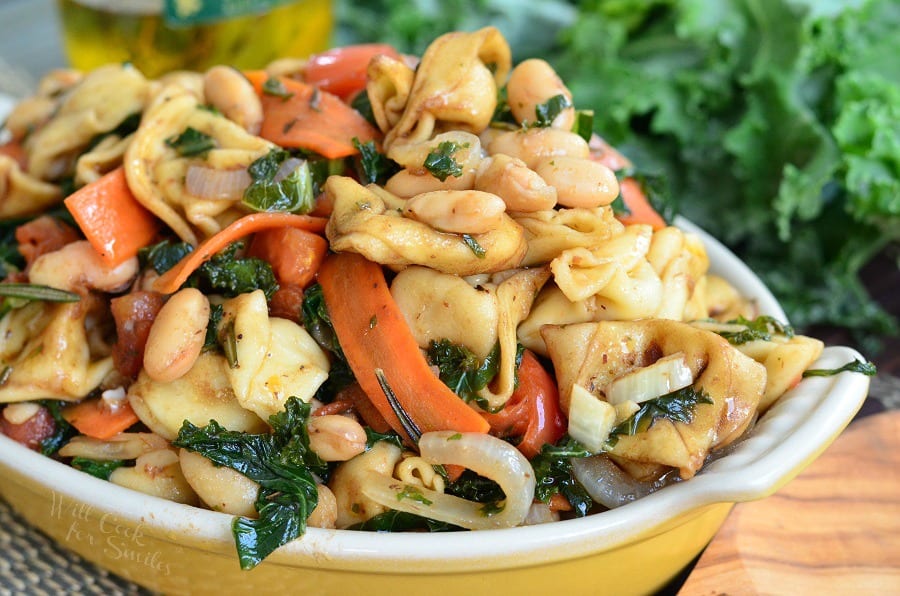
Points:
(229, 275)
(97, 468)
(762, 327)
(401, 521)
(163, 255)
(191, 142)
(62, 432)
(858, 366)
(553, 474)
(461, 370)
(281, 462)
(440, 163)
(274, 86)
(373, 166)
(293, 193)
(677, 406)
(548, 111)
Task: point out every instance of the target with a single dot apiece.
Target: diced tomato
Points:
(532, 413)
(342, 71)
(33, 431)
(294, 254)
(287, 302)
(42, 235)
(134, 314)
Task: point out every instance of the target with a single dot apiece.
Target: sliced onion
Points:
(663, 376)
(486, 455)
(608, 484)
(287, 168)
(213, 184)
(121, 446)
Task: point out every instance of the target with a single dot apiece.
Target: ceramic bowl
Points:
(634, 549)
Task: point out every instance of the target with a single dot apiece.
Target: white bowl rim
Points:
(791, 434)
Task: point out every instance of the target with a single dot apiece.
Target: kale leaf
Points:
(857, 366)
(281, 462)
(97, 468)
(461, 370)
(372, 165)
(191, 142)
(440, 162)
(553, 474)
(762, 327)
(267, 192)
(677, 406)
(547, 112)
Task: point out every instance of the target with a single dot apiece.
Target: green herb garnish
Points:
(293, 193)
(440, 162)
(677, 406)
(473, 245)
(857, 366)
(548, 111)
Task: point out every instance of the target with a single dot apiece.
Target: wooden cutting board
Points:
(835, 529)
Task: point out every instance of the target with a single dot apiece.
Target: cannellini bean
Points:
(20, 413)
(157, 473)
(457, 211)
(325, 513)
(233, 95)
(532, 83)
(532, 145)
(336, 438)
(520, 187)
(78, 266)
(220, 487)
(579, 182)
(409, 183)
(177, 336)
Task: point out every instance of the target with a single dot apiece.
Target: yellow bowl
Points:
(635, 549)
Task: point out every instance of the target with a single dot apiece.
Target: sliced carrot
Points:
(558, 502)
(95, 418)
(257, 78)
(294, 254)
(641, 212)
(374, 335)
(172, 279)
(112, 220)
(343, 71)
(308, 118)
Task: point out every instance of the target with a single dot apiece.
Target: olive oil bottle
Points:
(159, 36)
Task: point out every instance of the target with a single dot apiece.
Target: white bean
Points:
(457, 211)
(78, 266)
(520, 187)
(325, 513)
(336, 438)
(532, 83)
(233, 95)
(532, 145)
(177, 336)
(409, 183)
(579, 182)
(220, 487)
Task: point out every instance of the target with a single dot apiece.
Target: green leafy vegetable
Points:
(373, 166)
(280, 462)
(227, 274)
(547, 112)
(857, 366)
(164, 255)
(362, 104)
(440, 162)
(191, 142)
(584, 124)
(62, 431)
(762, 327)
(473, 245)
(677, 406)
(274, 86)
(96, 468)
(553, 473)
(461, 370)
(401, 521)
(267, 192)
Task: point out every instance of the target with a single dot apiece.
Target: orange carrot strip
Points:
(314, 120)
(172, 279)
(112, 220)
(257, 78)
(636, 201)
(95, 418)
(374, 335)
